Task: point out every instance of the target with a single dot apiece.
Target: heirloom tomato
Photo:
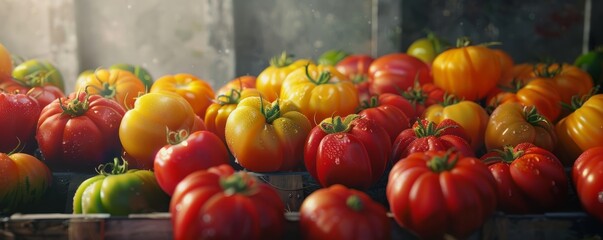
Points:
(197, 92)
(240, 83)
(118, 85)
(267, 137)
(141, 73)
(143, 129)
(120, 192)
(186, 153)
(397, 72)
(79, 132)
(6, 63)
(423, 96)
(36, 72)
(217, 113)
(435, 193)
(338, 149)
(43, 93)
(569, 80)
(512, 124)
(506, 62)
(23, 181)
(339, 213)
(587, 174)
(220, 203)
(320, 92)
(391, 118)
(19, 115)
(530, 179)
(427, 48)
(469, 72)
(356, 67)
(270, 80)
(539, 93)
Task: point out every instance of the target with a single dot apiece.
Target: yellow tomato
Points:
(270, 80)
(198, 93)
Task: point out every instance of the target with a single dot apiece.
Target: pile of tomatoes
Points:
(461, 132)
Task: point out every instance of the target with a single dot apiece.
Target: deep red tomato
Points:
(338, 212)
(400, 102)
(423, 96)
(45, 94)
(435, 193)
(186, 154)
(587, 174)
(389, 117)
(530, 179)
(353, 152)
(397, 72)
(356, 68)
(19, 114)
(426, 135)
(220, 204)
(79, 132)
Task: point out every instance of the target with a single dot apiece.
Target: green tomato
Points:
(332, 57)
(592, 63)
(120, 192)
(35, 73)
(139, 71)
(427, 48)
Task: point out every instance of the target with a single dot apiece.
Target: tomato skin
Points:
(208, 205)
(119, 85)
(397, 72)
(524, 174)
(20, 115)
(506, 62)
(587, 175)
(570, 80)
(198, 151)
(361, 150)
(356, 67)
(143, 128)
(23, 181)
(6, 63)
(269, 82)
(197, 92)
(357, 215)
(537, 92)
(431, 203)
(218, 112)
(240, 83)
(39, 69)
(391, 118)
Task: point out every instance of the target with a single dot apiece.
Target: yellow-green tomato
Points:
(427, 48)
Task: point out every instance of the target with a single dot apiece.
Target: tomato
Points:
(506, 62)
(570, 80)
(530, 179)
(592, 63)
(218, 112)
(270, 80)
(221, 204)
(429, 136)
(581, 130)
(19, 115)
(396, 72)
(267, 137)
(469, 72)
(423, 96)
(239, 83)
(538, 92)
(310, 87)
(36, 72)
(332, 57)
(141, 73)
(391, 118)
(512, 124)
(119, 85)
(185, 154)
(45, 94)
(120, 192)
(79, 132)
(427, 48)
(339, 213)
(353, 152)
(197, 92)
(10, 85)
(587, 175)
(6, 63)
(435, 193)
(356, 68)
(470, 115)
(23, 181)
(143, 128)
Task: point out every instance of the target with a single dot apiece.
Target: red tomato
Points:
(427, 136)
(19, 114)
(45, 94)
(530, 179)
(401, 103)
(389, 117)
(435, 193)
(352, 152)
(341, 213)
(221, 204)
(396, 72)
(185, 154)
(423, 96)
(587, 174)
(356, 68)
(79, 132)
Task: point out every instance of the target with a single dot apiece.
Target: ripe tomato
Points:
(197, 92)
(118, 85)
(185, 154)
(23, 181)
(45, 94)
(433, 193)
(506, 62)
(538, 92)
(218, 112)
(270, 80)
(356, 68)
(587, 174)
(570, 80)
(36, 72)
(220, 204)
(423, 96)
(396, 72)
(19, 115)
(391, 118)
(143, 129)
(427, 48)
(530, 179)
(240, 83)
(337, 149)
(141, 73)
(79, 132)
(6, 64)
(339, 213)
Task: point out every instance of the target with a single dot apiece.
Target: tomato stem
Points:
(355, 203)
(232, 98)
(176, 137)
(548, 71)
(37, 78)
(116, 167)
(450, 99)
(270, 113)
(371, 103)
(338, 125)
(239, 182)
(282, 60)
(415, 94)
(532, 116)
(442, 163)
(75, 107)
(323, 78)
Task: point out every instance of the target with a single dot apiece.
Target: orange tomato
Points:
(198, 93)
(119, 85)
(538, 92)
(506, 62)
(570, 80)
(239, 83)
(217, 113)
(271, 79)
(6, 64)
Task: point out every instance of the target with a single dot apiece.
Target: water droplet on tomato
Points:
(337, 161)
(536, 172)
(600, 197)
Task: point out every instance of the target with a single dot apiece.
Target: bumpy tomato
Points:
(396, 72)
(217, 113)
(356, 68)
(391, 118)
(221, 204)
(23, 181)
(570, 80)
(19, 115)
(267, 137)
(435, 193)
(538, 92)
(197, 92)
(118, 85)
(143, 129)
(427, 48)
(140, 72)
(36, 72)
(358, 216)
(587, 174)
(270, 80)
(6, 64)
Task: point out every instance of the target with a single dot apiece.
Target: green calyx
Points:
(546, 72)
(238, 183)
(450, 99)
(532, 116)
(415, 95)
(577, 101)
(116, 168)
(75, 107)
(371, 103)
(355, 203)
(515, 86)
(442, 163)
(37, 78)
(323, 78)
(282, 60)
(429, 128)
(508, 154)
(270, 113)
(338, 125)
(233, 98)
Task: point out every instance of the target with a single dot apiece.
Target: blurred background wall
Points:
(220, 39)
